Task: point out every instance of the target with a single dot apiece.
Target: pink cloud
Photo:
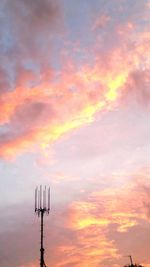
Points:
(60, 101)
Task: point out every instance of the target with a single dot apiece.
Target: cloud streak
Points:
(96, 228)
(46, 103)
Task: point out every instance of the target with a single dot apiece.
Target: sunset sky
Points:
(75, 116)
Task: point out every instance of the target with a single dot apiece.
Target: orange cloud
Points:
(63, 101)
(90, 248)
(95, 230)
(94, 218)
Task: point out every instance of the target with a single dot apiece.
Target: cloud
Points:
(42, 104)
(30, 23)
(104, 219)
(138, 87)
(99, 227)
(26, 29)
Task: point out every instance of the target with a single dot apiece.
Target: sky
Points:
(74, 115)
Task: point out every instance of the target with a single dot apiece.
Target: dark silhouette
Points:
(42, 206)
(131, 263)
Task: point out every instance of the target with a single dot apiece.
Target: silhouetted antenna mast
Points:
(42, 206)
(131, 261)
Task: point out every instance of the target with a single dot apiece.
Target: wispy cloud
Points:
(44, 103)
(53, 81)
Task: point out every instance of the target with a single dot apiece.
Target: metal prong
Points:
(48, 199)
(40, 197)
(36, 199)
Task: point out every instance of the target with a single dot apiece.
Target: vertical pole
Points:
(38, 201)
(35, 200)
(40, 197)
(48, 199)
(44, 201)
(131, 260)
(42, 206)
(42, 249)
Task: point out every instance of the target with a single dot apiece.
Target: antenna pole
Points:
(42, 248)
(131, 260)
(41, 207)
